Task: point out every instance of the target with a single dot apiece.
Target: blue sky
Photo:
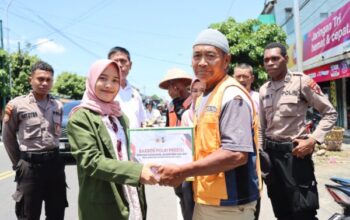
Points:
(71, 35)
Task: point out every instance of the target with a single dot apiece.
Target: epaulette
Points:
(19, 98)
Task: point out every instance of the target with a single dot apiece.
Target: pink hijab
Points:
(90, 100)
(193, 104)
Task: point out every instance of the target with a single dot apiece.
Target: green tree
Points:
(4, 87)
(19, 63)
(247, 41)
(69, 85)
(155, 97)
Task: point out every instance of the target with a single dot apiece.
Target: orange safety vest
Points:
(173, 120)
(211, 189)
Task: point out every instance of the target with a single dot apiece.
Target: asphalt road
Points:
(162, 202)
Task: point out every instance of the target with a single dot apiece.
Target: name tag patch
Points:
(211, 109)
(29, 115)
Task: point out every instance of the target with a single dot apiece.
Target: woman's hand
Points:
(149, 175)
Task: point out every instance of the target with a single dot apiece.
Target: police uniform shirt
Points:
(283, 106)
(36, 125)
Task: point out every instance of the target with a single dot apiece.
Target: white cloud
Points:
(47, 46)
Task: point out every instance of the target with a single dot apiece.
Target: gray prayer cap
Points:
(214, 38)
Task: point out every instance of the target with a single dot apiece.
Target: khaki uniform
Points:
(283, 107)
(36, 126)
(31, 135)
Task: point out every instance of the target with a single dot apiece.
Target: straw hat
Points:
(172, 74)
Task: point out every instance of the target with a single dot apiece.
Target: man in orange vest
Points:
(176, 81)
(226, 183)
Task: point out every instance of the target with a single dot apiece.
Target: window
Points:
(289, 20)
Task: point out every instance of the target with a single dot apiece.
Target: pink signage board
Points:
(330, 72)
(333, 31)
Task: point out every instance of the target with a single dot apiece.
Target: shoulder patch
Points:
(237, 97)
(314, 87)
(8, 112)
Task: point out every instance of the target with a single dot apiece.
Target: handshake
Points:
(164, 175)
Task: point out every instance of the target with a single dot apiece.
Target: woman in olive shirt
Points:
(109, 185)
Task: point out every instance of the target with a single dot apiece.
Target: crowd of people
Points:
(240, 137)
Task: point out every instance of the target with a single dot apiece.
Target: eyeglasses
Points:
(197, 90)
(121, 62)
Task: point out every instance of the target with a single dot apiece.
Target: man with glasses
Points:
(128, 97)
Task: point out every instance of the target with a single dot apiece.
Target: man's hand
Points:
(304, 147)
(148, 176)
(170, 175)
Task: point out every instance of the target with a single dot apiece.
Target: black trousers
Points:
(185, 194)
(38, 182)
(291, 184)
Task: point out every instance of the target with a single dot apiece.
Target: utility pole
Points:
(1, 36)
(298, 41)
(8, 42)
(3, 98)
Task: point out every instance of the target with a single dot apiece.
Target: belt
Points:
(285, 146)
(39, 156)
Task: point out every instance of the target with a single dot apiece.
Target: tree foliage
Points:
(69, 85)
(247, 41)
(4, 87)
(19, 63)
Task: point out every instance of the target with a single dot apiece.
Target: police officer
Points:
(31, 131)
(284, 100)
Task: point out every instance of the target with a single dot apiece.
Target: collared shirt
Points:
(283, 106)
(132, 106)
(153, 115)
(255, 98)
(35, 124)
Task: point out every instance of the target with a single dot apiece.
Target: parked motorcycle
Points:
(312, 119)
(341, 194)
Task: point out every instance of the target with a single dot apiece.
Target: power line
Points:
(95, 8)
(68, 38)
(59, 31)
(161, 60)
(98, 43)
(229, 9)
